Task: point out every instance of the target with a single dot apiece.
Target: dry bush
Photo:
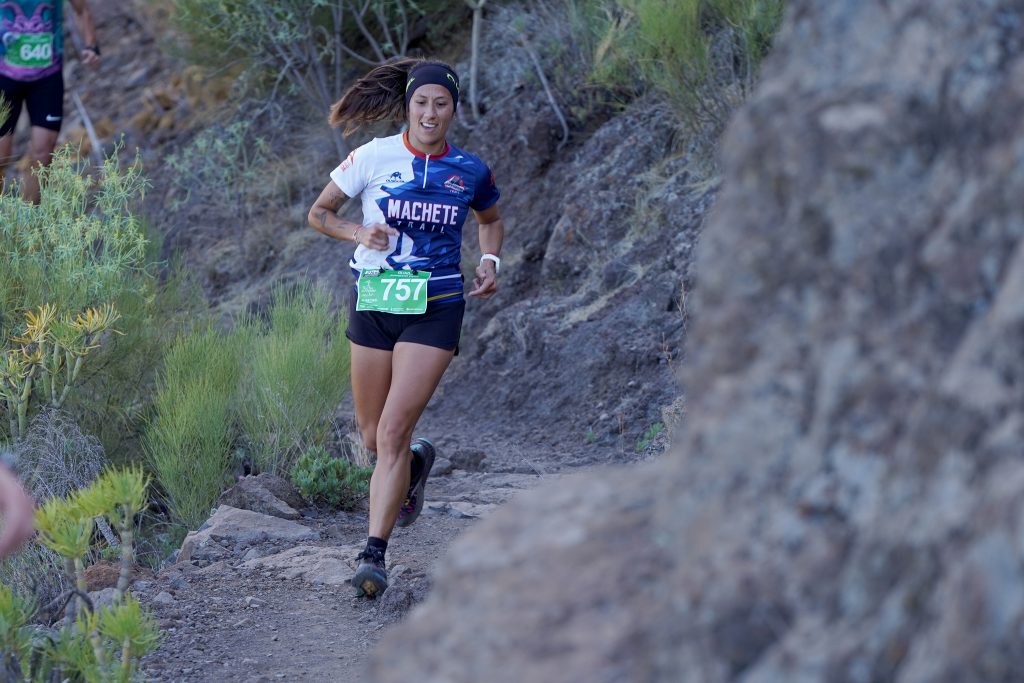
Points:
(56, 458)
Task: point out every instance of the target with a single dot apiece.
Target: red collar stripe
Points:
(421, 155)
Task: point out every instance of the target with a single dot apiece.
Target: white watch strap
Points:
(495, 259)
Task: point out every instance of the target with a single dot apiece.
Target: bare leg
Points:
(41, 145)
(371, 380)
(416, 370)
(6, 148)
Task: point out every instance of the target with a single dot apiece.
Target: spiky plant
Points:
(48, 356)
(124, 492)
(132, 629)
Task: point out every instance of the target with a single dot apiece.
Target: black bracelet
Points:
(95, 48)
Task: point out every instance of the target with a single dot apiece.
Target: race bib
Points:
(392, 291)
(30, 50)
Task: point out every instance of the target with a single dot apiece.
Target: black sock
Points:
(378, 546)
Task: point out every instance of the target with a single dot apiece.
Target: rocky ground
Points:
(267, 599)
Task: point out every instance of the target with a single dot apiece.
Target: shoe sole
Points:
(369, 584)
(428, 461)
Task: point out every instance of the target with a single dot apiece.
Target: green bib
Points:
(30, 50)
(392, 291)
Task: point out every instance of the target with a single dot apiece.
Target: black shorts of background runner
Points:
(43, 98)
(440, 326)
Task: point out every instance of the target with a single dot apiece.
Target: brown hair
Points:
(377, 96)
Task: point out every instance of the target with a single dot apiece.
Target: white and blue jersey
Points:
(426, 198)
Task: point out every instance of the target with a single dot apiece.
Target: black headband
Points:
(432, 74)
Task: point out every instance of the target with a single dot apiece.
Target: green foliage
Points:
(16, 611)
(269, 34)
(64, 265)
(118, 385)
(333, 481)
(104, 645)
(84, 247)
(300, 46)
(297, 373)
(188, 439)
(42, 364)
(225, 165)
(702, 55)
(271, 385)
(649, 435)
(80, 247)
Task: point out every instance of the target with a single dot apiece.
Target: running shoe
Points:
(410, 510)
(371, 576)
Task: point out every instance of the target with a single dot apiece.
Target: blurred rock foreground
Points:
(846, 499)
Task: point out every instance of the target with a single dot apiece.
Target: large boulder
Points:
(845, 501)
(267, 494)
(231, 528)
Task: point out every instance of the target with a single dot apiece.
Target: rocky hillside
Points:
(846, 499)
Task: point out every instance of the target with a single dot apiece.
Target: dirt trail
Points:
(226, 623)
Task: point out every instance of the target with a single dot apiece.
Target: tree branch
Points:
(547, 90)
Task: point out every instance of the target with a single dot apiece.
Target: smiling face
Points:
(431, 111)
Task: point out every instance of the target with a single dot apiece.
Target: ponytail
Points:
(377, 96)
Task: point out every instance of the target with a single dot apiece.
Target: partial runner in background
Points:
(31, 73)
(405, 316)
(17, 511)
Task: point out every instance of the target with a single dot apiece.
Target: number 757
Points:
(403, 290)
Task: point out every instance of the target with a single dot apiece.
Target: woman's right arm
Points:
(323, 217)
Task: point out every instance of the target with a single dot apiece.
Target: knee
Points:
(393, 440)
(40, 153)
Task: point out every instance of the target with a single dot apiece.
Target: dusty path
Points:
(225, 623)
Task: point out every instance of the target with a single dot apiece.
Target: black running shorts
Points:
(43, 98)
(440, 326)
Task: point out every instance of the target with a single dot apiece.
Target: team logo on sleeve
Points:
(349, 160)
(455, 184)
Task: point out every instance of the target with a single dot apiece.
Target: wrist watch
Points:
(494, 259)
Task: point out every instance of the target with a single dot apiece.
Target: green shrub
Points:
(296, 375)
(333, 481)
(701, 55)
(80, 247)
(84, 247)
(118, 383)
(269, 386)
(223, 165)
(649, 435)
(188, 440)
(302, 47)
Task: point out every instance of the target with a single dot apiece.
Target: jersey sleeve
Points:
(354, 173)
(487, 193)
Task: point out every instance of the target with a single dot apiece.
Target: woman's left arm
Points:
(492, 233)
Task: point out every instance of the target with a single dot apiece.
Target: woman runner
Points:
(405, 315)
